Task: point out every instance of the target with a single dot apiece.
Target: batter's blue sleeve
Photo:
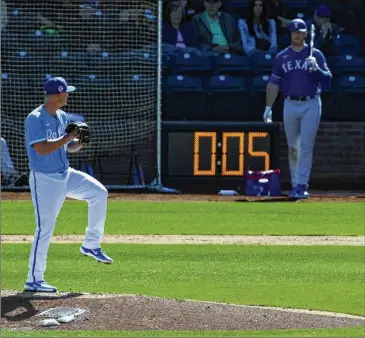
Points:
(34, 130)
(324, 74)
(277, 73)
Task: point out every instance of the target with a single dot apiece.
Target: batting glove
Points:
(268, 115)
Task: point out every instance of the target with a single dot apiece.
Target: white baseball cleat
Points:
(40, 286)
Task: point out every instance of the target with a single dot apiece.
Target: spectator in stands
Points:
(258, 32)
(176, 32)
(326, 31)
(276, 10)
(217, 31)
(9, 175)
(191, 7)
(348, 15)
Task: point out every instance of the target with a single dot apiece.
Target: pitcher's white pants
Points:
(49, 192)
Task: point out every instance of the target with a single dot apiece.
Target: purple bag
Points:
(262, 183)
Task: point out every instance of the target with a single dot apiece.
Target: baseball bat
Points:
(311, 44)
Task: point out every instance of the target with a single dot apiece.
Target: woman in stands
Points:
(176, 32)
(258, 32)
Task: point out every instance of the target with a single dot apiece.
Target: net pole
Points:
(159, 70)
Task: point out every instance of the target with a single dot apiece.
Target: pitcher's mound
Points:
(23, 311)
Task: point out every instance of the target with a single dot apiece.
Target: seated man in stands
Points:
(191, 7)
(176, 33)
(350, 16)
(326, 31)
(217, 31)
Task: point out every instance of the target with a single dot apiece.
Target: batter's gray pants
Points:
(301, 122)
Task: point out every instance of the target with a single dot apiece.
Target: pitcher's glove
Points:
(83, 131)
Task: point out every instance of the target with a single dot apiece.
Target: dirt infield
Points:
(23, 311)
(201, 239)
(316, 197)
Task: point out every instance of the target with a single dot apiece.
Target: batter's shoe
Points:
(40, 286)
(302, 192)
(98, 254)
(293, 193)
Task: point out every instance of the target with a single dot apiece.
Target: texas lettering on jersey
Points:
(295, 65)
(295, 75)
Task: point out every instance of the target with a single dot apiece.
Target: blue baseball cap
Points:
(323, 11)
(57, 85)
(297, 25)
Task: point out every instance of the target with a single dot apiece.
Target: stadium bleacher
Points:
(200, 88)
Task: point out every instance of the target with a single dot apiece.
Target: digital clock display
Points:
(217, 150)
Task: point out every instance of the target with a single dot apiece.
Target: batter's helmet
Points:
(297, 25)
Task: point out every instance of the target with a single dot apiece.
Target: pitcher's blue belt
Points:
(299, 98)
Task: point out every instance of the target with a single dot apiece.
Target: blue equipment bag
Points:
(262, 183)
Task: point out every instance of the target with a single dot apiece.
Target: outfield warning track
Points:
(201, 239)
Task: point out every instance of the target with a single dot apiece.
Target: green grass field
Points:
(329, 278)
(322, 278)
(199, 218)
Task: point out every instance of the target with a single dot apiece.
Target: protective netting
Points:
(108, 51)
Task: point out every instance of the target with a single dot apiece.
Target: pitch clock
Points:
(209, 156)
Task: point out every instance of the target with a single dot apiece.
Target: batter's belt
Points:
(300, 98)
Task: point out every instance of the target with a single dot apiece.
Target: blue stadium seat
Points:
(227, 98)
(259, 82)
(45, 76)
(303, 13)
(40, 43)
(94, 94)
(349, 83)
(12, 81)
(348, 44)
(351, 91)
(347, 64)
(230, 63)
(262, 61)
(20, 20)
(66, 61)
(165, 62)
(257, 87)
(25, 62)
(185, 62)
(330, 105)
(92, 83)
(17, 83)
(183, 98)
(109, 63)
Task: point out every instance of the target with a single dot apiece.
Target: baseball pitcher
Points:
(49, 135)
(300, 71)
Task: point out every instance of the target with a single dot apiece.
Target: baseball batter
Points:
(301, 77)
(49, 135)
